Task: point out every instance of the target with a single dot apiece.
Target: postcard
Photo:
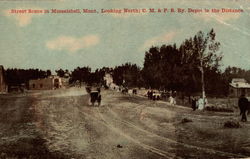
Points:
(114, 79)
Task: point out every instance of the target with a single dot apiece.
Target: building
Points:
(65, 82)
(49, 83)
(3, 85)
(239, 86)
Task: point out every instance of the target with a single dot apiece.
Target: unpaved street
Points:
(62, 124)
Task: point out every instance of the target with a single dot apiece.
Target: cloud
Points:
(22, 19)
(72, 44)
(161, 39)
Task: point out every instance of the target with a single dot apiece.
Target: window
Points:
(33, 85)
(41, 85)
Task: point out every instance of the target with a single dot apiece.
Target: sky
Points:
(53, 41)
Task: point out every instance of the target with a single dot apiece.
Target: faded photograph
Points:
(149, 79)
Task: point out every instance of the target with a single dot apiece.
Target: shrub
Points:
(232, 124)
(186, 120)
(219, 109)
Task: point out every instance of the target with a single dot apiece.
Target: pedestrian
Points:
(243, 105)
(205, 102)
(193, 102)
(148, 94)
(200, 103)
(171, 100)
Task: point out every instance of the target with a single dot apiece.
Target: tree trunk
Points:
(203, 84)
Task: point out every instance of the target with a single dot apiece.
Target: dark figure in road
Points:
(95, 96)
(243, 105)
(150, 94)
(134, 91)
(194, 105)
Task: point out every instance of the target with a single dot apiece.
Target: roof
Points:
(234, 80)
(239, 83)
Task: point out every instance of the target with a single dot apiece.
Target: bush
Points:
(186, 120)
(219, 109)
(232, 124)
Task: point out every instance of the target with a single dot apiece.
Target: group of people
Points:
(171, 96)
(243, 103)
(152, 95)
(199, 104)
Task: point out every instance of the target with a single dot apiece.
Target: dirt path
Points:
(61, 124)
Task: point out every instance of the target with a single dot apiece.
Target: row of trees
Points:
(187, 68)
(192, 67)
(22, 76)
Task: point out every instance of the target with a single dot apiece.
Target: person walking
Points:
(193, 100)
(171, 100)
(200, 104)
(243, 105)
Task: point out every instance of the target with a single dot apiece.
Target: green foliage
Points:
(84, 74)
(127, 75)
(80, 74)
(60, 73)
(172, 68)
(15, 77)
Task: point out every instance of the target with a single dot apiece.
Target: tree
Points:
(60, 72)
(15, 77)
(151, 71)
(162, 67)
(206, 47)
(80, 74)
(127, 75)
(184, 68)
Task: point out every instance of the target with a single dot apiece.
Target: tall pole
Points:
(202, 82)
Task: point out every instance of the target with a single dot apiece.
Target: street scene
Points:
(63, 124)
(139, 79)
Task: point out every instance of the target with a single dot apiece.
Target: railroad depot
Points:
(49, 83)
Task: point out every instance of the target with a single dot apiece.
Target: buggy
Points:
(95, 96)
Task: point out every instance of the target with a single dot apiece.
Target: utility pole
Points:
(202, 78)
(202, 81)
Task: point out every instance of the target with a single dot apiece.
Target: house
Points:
(239, 86)
(3, 85)
(49, 83)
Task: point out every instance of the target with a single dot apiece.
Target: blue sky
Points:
(53, 41)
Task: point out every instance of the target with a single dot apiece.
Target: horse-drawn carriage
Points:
(95, 95)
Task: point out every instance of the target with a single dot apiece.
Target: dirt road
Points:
(61, 124)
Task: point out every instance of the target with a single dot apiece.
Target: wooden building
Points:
(239, 86)
(49, 83)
